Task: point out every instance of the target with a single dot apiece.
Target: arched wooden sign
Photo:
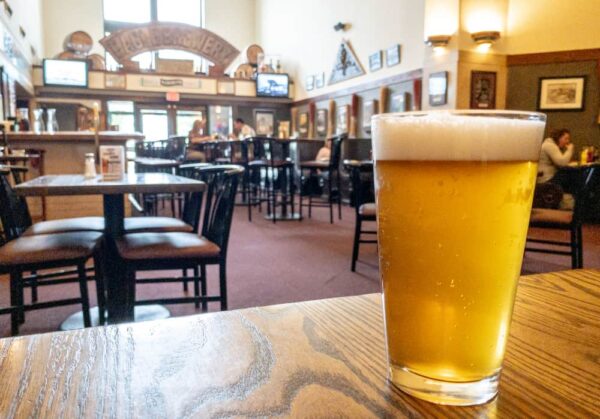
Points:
(125, 44)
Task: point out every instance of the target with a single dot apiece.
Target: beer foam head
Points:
(458, 136)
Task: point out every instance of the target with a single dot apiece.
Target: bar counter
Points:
(64, 153)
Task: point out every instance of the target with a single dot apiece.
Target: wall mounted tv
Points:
(272, 85)
(68, 73)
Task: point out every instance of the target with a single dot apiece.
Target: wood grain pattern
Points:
(316, 359)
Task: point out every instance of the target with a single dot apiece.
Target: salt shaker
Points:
(90, 166)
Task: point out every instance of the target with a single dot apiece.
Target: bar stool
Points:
(40, 252)
(361, 177)
(332, 169)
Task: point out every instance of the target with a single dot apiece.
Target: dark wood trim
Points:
(398, 78)
(553, 57)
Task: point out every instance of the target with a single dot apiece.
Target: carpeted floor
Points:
(285, 262)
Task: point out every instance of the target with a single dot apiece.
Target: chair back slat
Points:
(222, 182)
(14, 212)
(362, 179)
(583, 195)
(336, 151)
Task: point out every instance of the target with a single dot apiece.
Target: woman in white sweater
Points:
(557, 151)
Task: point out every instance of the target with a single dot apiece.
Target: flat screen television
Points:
(69, 73)
(272, 85)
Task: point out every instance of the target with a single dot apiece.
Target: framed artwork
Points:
(346, 64)
(115, 81)
(284, 129)
(370, 108)
(376, 61)
(310, 83)
(343, 119)
(264, 121)
(561, 94)
(321, 122)
(483, 90)
(303, 124)
(400, 102)
(392, 55)
(320, 80)
(438, 88)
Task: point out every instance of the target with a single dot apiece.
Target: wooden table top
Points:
(131, 183)
(315, 359)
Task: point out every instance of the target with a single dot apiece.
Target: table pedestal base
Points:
(142, 314)
(285, 217)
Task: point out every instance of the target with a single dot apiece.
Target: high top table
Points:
(120, 300)
(319, 359)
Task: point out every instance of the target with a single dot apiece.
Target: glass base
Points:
(445, 392)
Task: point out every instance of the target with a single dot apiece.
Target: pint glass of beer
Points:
(454, 192)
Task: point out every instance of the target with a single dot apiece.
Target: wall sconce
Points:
(484, 40)
(438, 42)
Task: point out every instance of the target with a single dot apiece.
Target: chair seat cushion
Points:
(541, 217)
(155, 224)
(27, 250)
(171, 246)
(315, 164)
(368, 210)
(66, 225)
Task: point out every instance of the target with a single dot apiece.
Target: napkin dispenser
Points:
(112, 162)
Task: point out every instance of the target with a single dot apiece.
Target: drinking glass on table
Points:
(454, 192)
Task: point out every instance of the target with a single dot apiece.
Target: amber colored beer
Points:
(451, 240)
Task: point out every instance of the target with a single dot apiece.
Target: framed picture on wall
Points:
(321, 122)
(392, 55)
(264, 121)
(320, 80)
(438, 88)
(376, 61)
(561, 93)
(343, 119)
(483, 90)
(310, 82)
(370, 108)
(303, 124)
(400, 102)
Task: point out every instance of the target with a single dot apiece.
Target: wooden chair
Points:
(571, 221)
(185, 251)
(35, 252)
(361, 178)
(332, 169)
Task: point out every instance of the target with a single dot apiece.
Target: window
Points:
(121, 14)
(221, 120)
(185, 121)
(121, 115)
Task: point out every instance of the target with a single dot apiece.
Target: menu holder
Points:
(112, 162)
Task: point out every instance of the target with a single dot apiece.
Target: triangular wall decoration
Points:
(346, 64)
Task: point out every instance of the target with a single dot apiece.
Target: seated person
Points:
(324, 153)
(197, 135)
(241, 130)
(557, 151)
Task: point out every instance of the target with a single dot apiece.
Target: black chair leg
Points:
(15, 316)
(355, 248)
(579, 247)
(85, 300)
(223, 285)
(203, 286)
(34, 285)
(574, 249)
(100, 289)
(339, 196)
(185, 280)
(196, 287)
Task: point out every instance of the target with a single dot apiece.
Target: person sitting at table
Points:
(197, 135)
(557, 151)
(241, 130)
(324, 153)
